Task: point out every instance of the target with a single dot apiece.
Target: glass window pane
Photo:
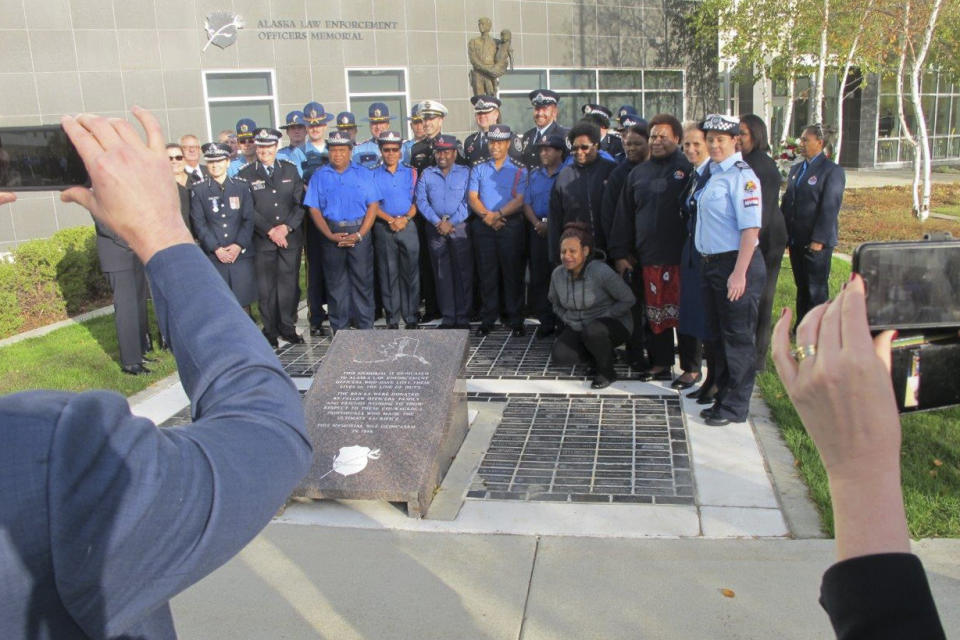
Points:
(906, 152)
(616, 100)
(621, 79)
(226, 85)
(943, 115)
(224, 115)
(888, 84)
(955, 147)
(955, 124)
(376, 80)
(662, 102)
(524, 80)
(516, 112)
(939, 148)
(397, 105)
(887, 150)
(570, 104)
(888, 124)
(662, 80)
(560, 80)
(928, 82)
(779, 88)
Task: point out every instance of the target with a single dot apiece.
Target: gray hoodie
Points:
(598, 292)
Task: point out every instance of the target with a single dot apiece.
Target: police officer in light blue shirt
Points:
(367, 153)
(296, 130)
(315, 152)
(347, 123)
(442, 201)
(416, 128)
(395, 238)
(728, 225)
(248, 151)
(495, 195)
(342, 201)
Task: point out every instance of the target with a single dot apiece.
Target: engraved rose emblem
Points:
(354, 459)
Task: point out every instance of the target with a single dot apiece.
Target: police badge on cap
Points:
(499, 132)
(432, 109)
(213, 151)
(338, 138)
(543, 97)
(315, 113)
(346, 120)
(445, 142)
(389, 136)
(266, 136)
(293, 119)
(245, 128)
(721, 123)
(485, 104)
(378, 112)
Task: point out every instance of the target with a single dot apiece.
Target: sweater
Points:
(598, 292)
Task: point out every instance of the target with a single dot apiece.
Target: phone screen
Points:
(39, 159)
(911, 285)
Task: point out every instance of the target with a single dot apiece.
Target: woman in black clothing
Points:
(839, 380)
(773, 228)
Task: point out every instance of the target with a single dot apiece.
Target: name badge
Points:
(287, 180)
(234, 202)
(258, 185)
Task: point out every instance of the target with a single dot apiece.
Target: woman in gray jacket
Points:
(593, 303)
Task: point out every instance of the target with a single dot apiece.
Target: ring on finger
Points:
(802, 351)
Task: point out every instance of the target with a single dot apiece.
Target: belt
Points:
(345, 223)
(710, 257)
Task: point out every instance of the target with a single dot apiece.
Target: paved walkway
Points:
(859, 178)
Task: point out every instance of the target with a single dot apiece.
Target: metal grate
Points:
(586, 448)
(497, 355)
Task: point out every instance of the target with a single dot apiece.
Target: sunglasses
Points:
(390, 150)
(582, 147)
(244, 141)
(176, 157)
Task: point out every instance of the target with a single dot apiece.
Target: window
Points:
(389, 86)
(941, 108)
(651, 91)
(232, 95)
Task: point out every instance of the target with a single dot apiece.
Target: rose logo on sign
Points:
(222, 27)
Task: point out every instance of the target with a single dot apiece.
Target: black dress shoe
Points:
(706, 399)
(272, 341)
(410, 326)
(716, 420)
(292, 338)
(146, 358)
(709, 412)
(601, 381)
(444, 325)
(678, 383)
(483, 331)
(135, 370)
(316, 331)
(647, 376)
(393, 325)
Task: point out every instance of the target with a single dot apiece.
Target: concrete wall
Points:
(103, 56)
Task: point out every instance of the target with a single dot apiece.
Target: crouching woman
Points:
(593, 303)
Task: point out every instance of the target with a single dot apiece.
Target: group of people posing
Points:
(653, 235)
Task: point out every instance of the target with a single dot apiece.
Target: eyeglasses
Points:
(244, 141)
(176, 157)
(582, 147)
(390, 150)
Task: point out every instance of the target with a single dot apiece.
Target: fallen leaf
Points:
(933, 472)
(796, 463)
(937, 463)
(728, 593)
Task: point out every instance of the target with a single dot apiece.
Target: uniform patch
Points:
(740, 164)
(257, 185)
(749, 186)
(752, 201)
(812, 181)
(234, 202)
(679, 174)
(287, 180)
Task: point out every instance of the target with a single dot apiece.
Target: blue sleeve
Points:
(315, 197)
(370, 189)
(138, 513)
(474, 183)
(423, 200)
(747, 199)
(245, 235)
(462, 208)
(207, 240)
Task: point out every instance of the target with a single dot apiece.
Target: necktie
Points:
(536, 138)
(803, 170)
(702, 178)
(270, 171)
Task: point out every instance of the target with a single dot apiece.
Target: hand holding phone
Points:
(39, 159)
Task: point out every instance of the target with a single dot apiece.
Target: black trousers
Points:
(278, 284)
(811, 270)
(660, 349)
(595, 344)
(130, 312)
(452, 259)
(316, 288)
(428, 288)
(540, 271)
(772, 259)
(735, 325)
(499, 260)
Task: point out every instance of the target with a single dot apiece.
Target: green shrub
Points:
(10, 320)
(78, 272)
(36, 280)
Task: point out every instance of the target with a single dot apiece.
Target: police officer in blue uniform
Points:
(247, 150)
(278, 236)
(396, 242)
(536, 208)
(442, 202)
(343, 204)
(487, 113)
(416, 127)
(545, 108)
(221, 209)
(296, 129)
(726, 235)
(367, 153)
(811, 205)
(347, 123)
(495, 195)
(315, 152)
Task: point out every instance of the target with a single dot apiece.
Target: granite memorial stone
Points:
(386, 415)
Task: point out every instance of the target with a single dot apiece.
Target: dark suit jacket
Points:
(277, 199)
(104, 517)
(773, 228)
(222, 217)
(529, 153)
(811, 205)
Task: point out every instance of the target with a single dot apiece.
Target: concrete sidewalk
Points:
(861, 178)
(300, 582)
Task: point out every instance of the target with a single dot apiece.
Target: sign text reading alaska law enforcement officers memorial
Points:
(310, 29)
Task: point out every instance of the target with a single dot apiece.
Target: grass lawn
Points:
(77, 358)
(930, 453)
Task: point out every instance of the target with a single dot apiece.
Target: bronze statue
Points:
(491, 58)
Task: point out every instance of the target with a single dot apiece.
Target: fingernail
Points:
(783, 312)
(853, 274)
(895, 334)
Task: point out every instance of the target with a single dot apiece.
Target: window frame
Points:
(404, 95)
(207, 100)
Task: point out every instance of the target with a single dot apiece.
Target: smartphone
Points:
(914, 287)
(39, 158)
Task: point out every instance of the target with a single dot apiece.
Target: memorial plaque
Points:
(386, 415)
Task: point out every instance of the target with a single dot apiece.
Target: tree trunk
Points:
(765, 96)
(822, 65)
(919, 60)
(841, 94)
(788, 111)
(905, 132)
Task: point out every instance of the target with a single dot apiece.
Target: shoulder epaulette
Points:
(285, 161)
(740, 164)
